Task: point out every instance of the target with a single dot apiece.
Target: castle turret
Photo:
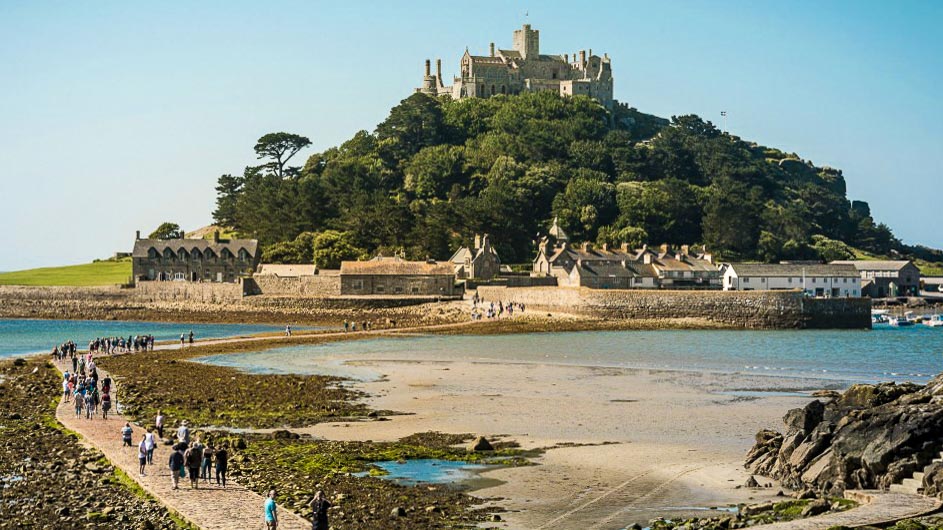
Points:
(491, 49)
(428, 81)
(527, 42)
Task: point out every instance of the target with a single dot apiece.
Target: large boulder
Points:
(869, 437)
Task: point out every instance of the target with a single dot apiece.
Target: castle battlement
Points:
(524, 69)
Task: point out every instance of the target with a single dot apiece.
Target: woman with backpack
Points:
(106, 405)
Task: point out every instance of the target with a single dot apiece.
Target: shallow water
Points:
(882, 354)
(428, 470)
(23, 336)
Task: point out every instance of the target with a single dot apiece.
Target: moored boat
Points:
(934, 321)
(900, 322)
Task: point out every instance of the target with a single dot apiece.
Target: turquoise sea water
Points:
(18, 337)
(428, 470)
(882, 354)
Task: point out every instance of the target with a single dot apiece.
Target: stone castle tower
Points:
(524, 69)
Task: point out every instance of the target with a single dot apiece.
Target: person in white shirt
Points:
(142, 454)
(150, 444)
(159, 423)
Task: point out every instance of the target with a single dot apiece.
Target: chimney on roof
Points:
(438, 69)
(647, 259)
(605, 247)
(491, 49)
(684, 250)
(590, 52)
(566, 57)
(583, 58)
(215, 236)
(428, 67)
(624, 247)
(664, 248)
(137, 235)
(708, 258)
(477, 241)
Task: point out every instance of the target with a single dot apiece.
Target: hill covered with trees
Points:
(436, 172)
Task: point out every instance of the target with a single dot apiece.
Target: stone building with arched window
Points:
(194, 260)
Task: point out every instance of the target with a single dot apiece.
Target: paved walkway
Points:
(877, 508)
(209, 508)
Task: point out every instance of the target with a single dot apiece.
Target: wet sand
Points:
(631, 445)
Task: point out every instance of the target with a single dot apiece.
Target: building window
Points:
(357, 284)
(746, 280)
(790, 280)
(379, 288)
(492, 90)
(414, 290)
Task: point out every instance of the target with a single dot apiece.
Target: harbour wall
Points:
(745, 309)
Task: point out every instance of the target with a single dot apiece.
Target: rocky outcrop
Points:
(871, 436)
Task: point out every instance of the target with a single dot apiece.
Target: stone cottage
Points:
(397, 276)
(886, 278)
(194, 260)
(479, 263)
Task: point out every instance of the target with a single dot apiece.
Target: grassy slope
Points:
(100, 273)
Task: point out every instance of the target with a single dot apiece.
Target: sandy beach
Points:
(629, 445)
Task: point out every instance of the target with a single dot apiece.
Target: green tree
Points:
(279, 148)
(415, 123)
(433, 171)
(669, 211)
(228, 189)
(587, 203)
(732, 218)
(632, 236)
(330, 248)
(167, 230)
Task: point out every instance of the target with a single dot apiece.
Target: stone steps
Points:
(914, 485)
(900, 488)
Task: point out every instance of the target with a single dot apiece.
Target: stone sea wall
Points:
(747, 309)
(318, 285)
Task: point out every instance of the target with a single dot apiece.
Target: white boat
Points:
(900, 321)
(879, 316)
(935, 321)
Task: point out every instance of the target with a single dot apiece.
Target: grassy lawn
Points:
(100, 273)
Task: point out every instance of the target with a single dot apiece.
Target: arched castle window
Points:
(168, 254)
(503, 89)
(492, 90)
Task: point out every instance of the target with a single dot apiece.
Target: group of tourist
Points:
(110, 345)
(64, 350)
(188, 458)
(81, 387)
(491, 311)
(196, 460)
(350, 326)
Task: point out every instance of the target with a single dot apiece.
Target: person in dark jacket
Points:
(319, 506)
(194, 457)
(222, 462)
(176, 464)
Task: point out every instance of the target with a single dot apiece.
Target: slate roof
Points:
(877, 265)
(780, 270)
(142, 246)
(397, 266)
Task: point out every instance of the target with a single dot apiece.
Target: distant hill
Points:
(207, 232)
(108, 272)
(436, 172)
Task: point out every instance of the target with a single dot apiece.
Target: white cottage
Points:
(833, 281)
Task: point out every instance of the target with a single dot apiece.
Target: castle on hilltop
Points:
(524, 69)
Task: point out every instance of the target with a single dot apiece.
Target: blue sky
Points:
(116, 116)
